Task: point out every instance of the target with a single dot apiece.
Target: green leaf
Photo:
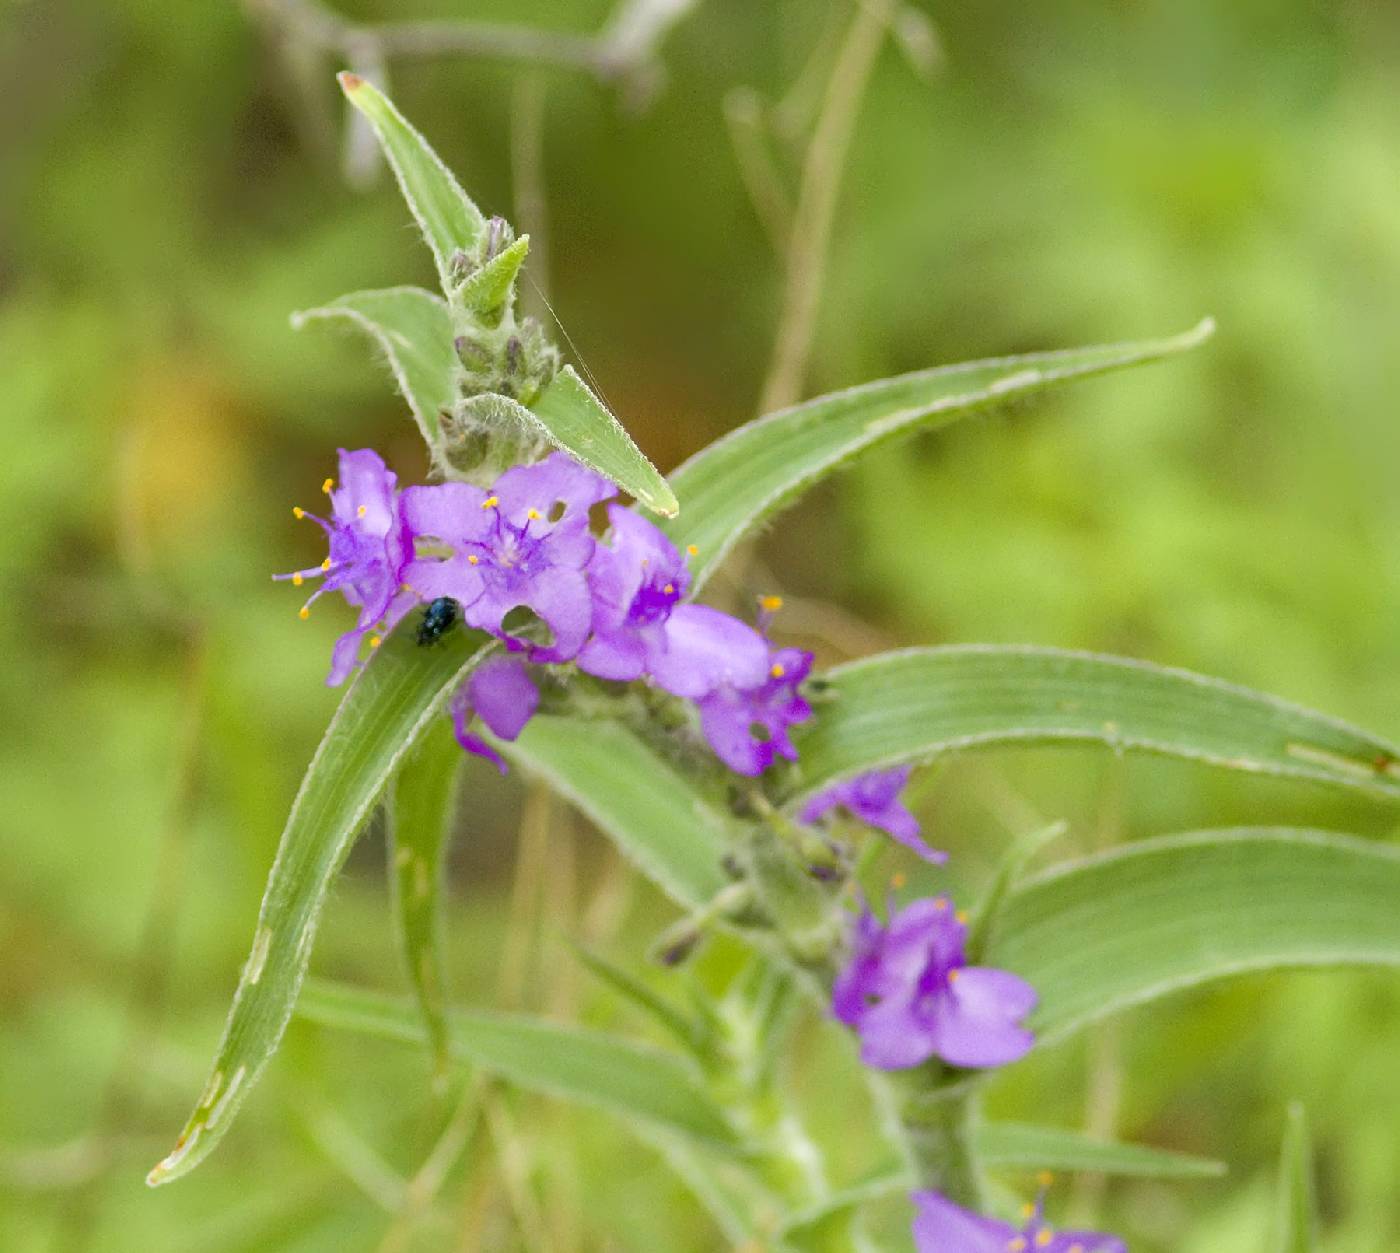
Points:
(637, 1083)
(414, 329)
(576, 420)
(485, 290)
(651, 810)
(1140, 922)
(421, 810)
(388, 708)
(450, 222)
(656, 1007)
(736, 484)
(922, 702)
(1295, 1222)
(1055, 1148)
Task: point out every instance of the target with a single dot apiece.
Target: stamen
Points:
(361, 511)
(297, 580)
(669, 589)
(327, 485)
(777, 670)
(533, 515)
(1016, 1244)
(375, 641)
(770, 603)
(941, 904)
(898, 880)
(490, 502)
(473, 561)
(304, 612)
(298, 512)
(1027, 1212)
(953, 975)
(1043, 1237)
(961, 916)
(693, 549)
(326, 564)
(1045, 1178)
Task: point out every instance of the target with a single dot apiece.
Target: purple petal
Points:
(700, 649)
(450, 512)
(942, 1227)
(456, 577)
(547, 485)
(978, 1023)
(726, 724)
(560, 598)
(365, 483)
(1079, 1242)
(503, 695)
(894, 1037)
(613, 654)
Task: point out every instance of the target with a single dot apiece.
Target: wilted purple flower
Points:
(873, 798)
(369, 547)
(639, 626)
(524, 543)
(909, 994)
(942, 1227)
(500, 692)
(747, 725)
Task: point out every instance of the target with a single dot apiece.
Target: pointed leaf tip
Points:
(349, 81)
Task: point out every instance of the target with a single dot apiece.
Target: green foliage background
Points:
(1075, 173)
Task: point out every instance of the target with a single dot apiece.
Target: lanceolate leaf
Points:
(635, 1082)
(1145, 920)
(732, 487)
(387, 708)
(421, 809)
(1055, 1148)
(448, 219)
(922, 702)
(651, 811)
(581, 424)
(414, 329)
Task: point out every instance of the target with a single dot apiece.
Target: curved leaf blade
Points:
(736, 484)
(920, 703)
(578, 422)
(387, 709)
(421, 811)
(633, 1081)
(444, 212)
(1056, 1148)
(1135, 924)
(414, 329)
(652, 812)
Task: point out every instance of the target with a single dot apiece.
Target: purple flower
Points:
(501, 692)
(747, 725)
(873, 798)
(369, 548)
(909, 994)
(525, 543)
(942, 1227)
(639, 626)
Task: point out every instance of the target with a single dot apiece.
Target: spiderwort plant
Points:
(733, 770)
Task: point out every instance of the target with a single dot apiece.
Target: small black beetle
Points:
(438, 619)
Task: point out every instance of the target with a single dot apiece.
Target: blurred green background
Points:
(1072, 172)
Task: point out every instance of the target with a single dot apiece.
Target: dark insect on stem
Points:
(439, 617)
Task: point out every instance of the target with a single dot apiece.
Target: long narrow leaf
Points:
(450, 222)
(1055, 1148)
(631, 1080)
(922, 702)
(421, 809)
(1143, 921)
(735, 485)
(1295, 1221)
(414, 329)
(388, 707)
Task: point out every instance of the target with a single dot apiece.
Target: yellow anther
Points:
(298, 511)
(771, 603)
(1045, 1178)
(405, 587)
(1076, 1247)
(777, 670)
(490, 502)
(375, 641)
(361, 511)
(326, 564)
(941, 903)
(961, 916)
(954, 975)
(474, 561)
(669, 589)
(297, 580)
(693, 549)
(898, 880)
(304, 612)
(1043, 1237)
(1027, 1211)
(1016, 1244)
(327, 485)
(533, 514)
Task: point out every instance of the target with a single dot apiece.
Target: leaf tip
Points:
(349, 81)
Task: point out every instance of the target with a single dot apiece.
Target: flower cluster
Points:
(519, 560)
(942, 1227)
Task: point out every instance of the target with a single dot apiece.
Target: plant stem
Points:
(935, 1111)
